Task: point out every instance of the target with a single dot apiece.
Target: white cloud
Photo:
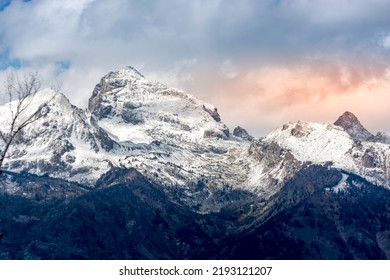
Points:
(228, 69)
(180, 74)
(43, 28)
(385, 42)
(180, 42)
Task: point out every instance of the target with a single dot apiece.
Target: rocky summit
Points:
(353, 127)
(88, 184)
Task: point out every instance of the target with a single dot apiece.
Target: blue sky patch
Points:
(6, 61)
(4, 4)
(61, 66)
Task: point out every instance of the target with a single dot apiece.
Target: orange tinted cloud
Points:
(264, 98)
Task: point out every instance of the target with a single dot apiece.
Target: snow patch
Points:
(342, 185)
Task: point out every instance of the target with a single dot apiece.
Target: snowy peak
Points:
(111, 84)
(333, 145)
(132, 109)
(353, 127)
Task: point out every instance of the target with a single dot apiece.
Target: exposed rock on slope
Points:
(242, 133)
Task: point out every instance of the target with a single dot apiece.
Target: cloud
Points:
(270, 56)
(41, 29)
(263, 98)
(385, 41)
(161, 33)
(179, 75)
(228, 70)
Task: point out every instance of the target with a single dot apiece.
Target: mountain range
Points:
(148, 158)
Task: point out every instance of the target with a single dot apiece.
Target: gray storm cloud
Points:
(180, 42)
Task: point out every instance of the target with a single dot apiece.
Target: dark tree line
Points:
(20, 93)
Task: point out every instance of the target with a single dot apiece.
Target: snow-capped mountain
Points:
(164, 133)
(151, 172)
(175, 139)
(336, 147)
(61, 143)
(133, 109)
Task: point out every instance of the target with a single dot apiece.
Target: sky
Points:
(261, 63)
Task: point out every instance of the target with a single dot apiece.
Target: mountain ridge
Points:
(150, 172)
(173, 138)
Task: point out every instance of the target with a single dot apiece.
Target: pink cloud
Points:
(266, 97)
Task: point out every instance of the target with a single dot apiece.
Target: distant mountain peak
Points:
(348, 117)
(353, 127)
(127, 72)
(132, 69)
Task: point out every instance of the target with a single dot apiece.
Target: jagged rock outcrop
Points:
(353, 127)
(381, 137)
(242, 133)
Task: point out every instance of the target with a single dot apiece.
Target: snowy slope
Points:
(315, 142)
(332, 145)
(60, 143)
